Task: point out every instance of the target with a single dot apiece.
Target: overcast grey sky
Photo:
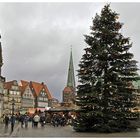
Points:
(36, 38)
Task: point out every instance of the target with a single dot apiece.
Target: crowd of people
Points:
(9, 120)
(58, 119)
(55, 119)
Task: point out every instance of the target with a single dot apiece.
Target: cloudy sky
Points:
(36, 38)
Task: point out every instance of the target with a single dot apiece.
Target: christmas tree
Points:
(105, 94)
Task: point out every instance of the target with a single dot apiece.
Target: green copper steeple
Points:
(71, 79)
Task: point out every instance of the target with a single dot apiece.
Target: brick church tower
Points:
(69, 90)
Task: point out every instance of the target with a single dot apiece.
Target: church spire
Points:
(71, 79)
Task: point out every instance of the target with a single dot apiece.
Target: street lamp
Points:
(12, 118)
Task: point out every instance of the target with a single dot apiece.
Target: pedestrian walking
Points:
(32, 119)
(12, 120)
(42, 120)
(55, 120)
(6, 121)
(2, 119)
(22, 120)
(26, 119)
(63, 120)
(36, 120)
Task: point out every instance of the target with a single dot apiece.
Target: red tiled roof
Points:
(24, 83)
(38, 87)
(22, 89)
(8, 85)
(48, 93)
(23, 86)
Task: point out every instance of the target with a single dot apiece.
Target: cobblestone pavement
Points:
(6, 132)
(67, 131)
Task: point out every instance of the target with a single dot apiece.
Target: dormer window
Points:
(32, 90)
(43, 93)
(14, 87)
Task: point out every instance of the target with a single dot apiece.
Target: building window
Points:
(10, 92)
(19, 100)
(28, 90)
(24, 95)
(43, 93)
(18, 93)
(45, 99)
(15, 87)
(4, 91)
(40, 98)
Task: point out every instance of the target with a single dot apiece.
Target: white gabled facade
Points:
(27, 99)
(12, 92)
(42, 99)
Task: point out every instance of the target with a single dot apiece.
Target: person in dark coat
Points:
(26, 119)
(42, 120)
(6, 121)
(12, 120)
(22, 120)
(32, 120)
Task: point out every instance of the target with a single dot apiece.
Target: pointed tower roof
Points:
(71, 79)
